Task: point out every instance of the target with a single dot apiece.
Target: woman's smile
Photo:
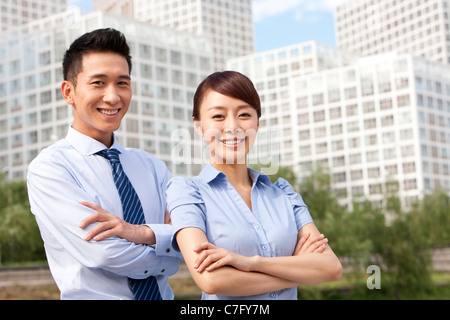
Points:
(232, 143)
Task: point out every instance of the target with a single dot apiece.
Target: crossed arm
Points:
(222, 272)
(219, 271)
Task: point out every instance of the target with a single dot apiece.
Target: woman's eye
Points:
(218, 116)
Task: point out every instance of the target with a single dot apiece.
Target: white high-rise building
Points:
(227, 23)
(379, 124)
(417, 27)
(167, 67)
(14, 13)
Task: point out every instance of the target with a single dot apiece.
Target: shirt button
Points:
(146, 271)
(163, 270)
(256, 227)
(167, 250)
(273, 295)
(264, 247)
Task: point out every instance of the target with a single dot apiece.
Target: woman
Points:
(240, 235)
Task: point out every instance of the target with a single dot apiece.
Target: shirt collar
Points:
(209, 173)
(87, 145)
(259, 176)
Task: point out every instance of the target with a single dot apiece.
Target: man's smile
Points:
(109, 112)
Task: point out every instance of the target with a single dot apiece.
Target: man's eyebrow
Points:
(101, 75)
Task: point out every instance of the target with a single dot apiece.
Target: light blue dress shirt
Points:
(209, 202)
(68, 172)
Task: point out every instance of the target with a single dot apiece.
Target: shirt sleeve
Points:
(163, 232)
(186, 206)
(301, 212)
(54, 193)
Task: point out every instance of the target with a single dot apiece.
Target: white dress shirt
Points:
(68, 172)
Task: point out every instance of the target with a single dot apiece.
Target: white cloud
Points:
(263, 9)
(302, 9)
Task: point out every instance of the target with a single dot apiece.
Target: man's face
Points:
(102, 95)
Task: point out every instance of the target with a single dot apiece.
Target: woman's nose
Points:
(232, 126)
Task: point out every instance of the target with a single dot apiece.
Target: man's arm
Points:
(54, 195)
(108, 225)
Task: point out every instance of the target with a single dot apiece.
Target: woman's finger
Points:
(204, 246)
(301, 243)
(317, 245)
(209, 260)
(202, 256)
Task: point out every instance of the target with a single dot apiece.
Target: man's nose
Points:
(111, 96)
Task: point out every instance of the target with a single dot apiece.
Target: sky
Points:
(279, 23)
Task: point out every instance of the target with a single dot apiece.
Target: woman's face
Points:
(229, 127)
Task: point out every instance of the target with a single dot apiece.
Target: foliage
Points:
(397, 241)
(20, 239)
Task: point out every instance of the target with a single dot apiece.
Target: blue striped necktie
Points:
(143, 289)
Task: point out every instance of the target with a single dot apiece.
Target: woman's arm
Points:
(226, 280)
(313, 261)
(307, 269)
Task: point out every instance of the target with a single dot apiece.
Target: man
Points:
(70, 178)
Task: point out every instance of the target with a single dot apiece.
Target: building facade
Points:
(417, 27)
(378, 124)
(14, 13)
(227, 23)
(167, 67)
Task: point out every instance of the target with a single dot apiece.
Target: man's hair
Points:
(101, 40)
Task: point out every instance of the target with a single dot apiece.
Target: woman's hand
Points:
(109, 226)
(310, 244)
(211, 257)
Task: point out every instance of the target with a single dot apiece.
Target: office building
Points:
(227, 23)
(379, 124)
(167, 67)
(417, 27)
(14, 13)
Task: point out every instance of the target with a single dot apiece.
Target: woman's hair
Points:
(229, 83)
(101, 40)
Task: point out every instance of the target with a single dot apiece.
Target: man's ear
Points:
(67, 90)
(198, 127)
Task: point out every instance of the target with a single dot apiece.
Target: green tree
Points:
(20, 239)
(433, 218)
(395, 240)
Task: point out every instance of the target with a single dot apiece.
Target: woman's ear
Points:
(198, 127)
(67, 90)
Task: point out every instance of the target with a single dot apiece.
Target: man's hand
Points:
(109, 226)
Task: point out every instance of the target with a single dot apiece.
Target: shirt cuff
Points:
(163, 234)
